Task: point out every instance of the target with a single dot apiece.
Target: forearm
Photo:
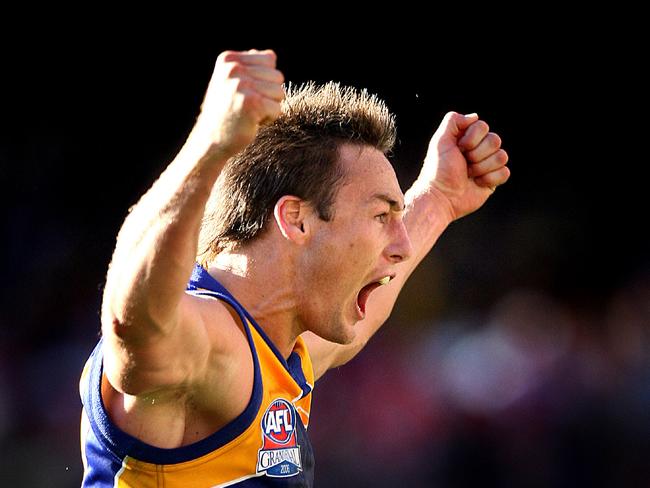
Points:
(427, 216)
(156, 246)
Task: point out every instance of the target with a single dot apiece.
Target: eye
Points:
(382, 217)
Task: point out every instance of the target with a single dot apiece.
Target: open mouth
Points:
(364, 294)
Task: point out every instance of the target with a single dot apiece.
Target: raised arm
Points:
(463, 166)
(153, 331)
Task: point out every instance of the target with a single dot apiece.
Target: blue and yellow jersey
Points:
(265, 446)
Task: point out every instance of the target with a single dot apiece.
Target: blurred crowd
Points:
(532, 393)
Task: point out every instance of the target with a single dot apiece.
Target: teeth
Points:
(384, 280)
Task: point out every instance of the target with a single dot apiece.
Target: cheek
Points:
(321, 272)
(364, 250)
(336, 260)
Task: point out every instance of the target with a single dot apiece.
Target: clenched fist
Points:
(244, 92)
(464, 164)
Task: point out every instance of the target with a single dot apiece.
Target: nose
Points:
(400, 248)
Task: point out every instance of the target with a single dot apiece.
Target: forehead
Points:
(367, 172)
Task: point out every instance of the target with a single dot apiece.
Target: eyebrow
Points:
(394, 204)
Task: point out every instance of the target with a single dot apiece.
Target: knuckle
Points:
(234, 69)
(252, 101)
(490, 179)
(450, 115)
(241, 84)
(473, 156)
(494, 139)
(482, 126)
(502, 156)
(227, 56)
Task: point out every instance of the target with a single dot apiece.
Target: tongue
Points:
(362, 298)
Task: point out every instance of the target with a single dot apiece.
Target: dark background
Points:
(557, 259)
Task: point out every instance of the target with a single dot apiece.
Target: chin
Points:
(341, 333)
(345, 340)
(344, 334)
(338, 328)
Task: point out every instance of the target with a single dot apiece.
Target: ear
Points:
(290, 214)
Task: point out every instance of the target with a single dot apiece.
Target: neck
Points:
(261, 280)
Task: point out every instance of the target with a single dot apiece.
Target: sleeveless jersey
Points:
(265, 446)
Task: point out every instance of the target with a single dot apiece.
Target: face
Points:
(346, 257)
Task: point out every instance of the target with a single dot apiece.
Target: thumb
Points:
(450, 130)
(454, 124)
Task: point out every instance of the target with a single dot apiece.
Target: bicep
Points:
(161, 360)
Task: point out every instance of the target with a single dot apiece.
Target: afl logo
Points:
(279, 456)
(278, 422)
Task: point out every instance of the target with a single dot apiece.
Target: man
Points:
(304, 240)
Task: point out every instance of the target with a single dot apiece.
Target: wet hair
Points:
(295, 155)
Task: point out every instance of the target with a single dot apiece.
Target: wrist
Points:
(204, 142)
(436, 202)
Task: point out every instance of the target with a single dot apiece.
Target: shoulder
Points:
(221, 322)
